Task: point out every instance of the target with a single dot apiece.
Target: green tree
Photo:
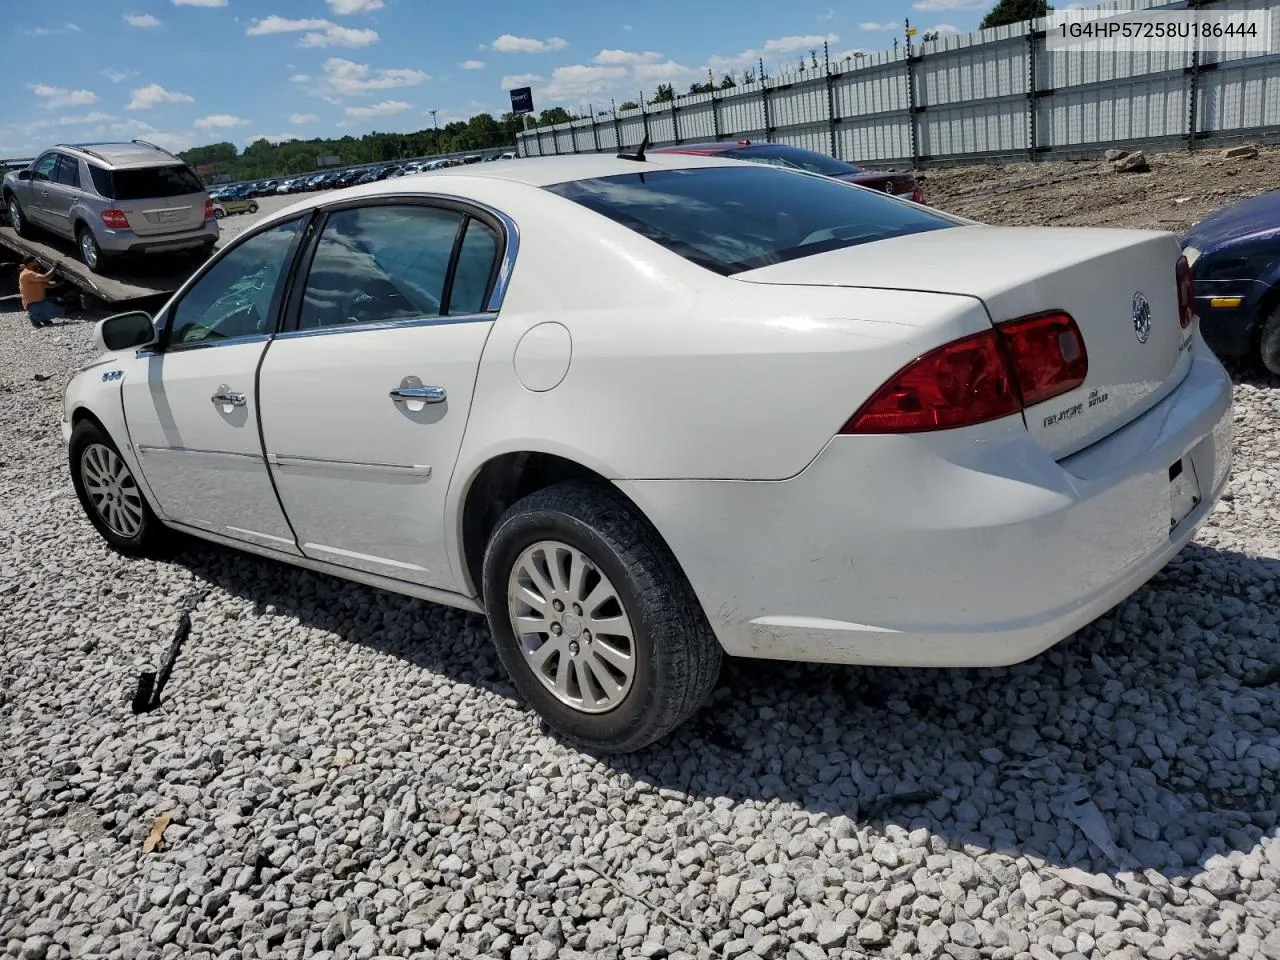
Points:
(554, 115)
(628, 105)
(666, 93)
(727, 82)
(1007, 12)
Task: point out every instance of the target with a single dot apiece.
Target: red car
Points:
(783, 155)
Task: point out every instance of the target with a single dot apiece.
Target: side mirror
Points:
(24, 174)
(124, 331)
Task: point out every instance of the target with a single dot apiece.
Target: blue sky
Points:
(186, 72)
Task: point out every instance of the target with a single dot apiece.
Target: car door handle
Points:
(228, 398)
(420, 394)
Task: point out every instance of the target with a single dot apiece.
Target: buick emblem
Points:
(1141, 317)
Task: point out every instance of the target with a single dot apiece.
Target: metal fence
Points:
(994, 94)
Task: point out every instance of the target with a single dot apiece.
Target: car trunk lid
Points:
(1118, 285)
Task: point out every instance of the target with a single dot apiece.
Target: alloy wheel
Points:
(112, 490)
(15, 215)
(571, 626)
(89, 248)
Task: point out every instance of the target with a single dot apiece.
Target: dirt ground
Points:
(1181, 189)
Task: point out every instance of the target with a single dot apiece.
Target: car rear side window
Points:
(150, 183)
(380, 264)
(101, 181)
(471, 278)
(732, 219)
(68, 172)
(787, 156)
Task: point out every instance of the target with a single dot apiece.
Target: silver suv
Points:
(113, 199)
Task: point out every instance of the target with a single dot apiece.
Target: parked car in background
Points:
(113, 200)
(905, 185)
(966, 441)
(1235, 259)
(226, 206)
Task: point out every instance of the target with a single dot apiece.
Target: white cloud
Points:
(509, 44)
(199, 3)
(626, 56)
(118, 76)
(871, 27)
(345, 8)
(384, 109)
(335, 36)
(626, 27)
(55, 98)
(772, 48)
(520, 80)
(472, 64)
(319, 33)
(274, 24)
(143, 20)
(937, 6)
(667, 72)
(144, 98)
(343, 78)
(298, 119)
(219, 121)
(52, 31)
(575, 82)
(943, 28)
(827, 16)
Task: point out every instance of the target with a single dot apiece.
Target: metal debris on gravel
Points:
(348, 775)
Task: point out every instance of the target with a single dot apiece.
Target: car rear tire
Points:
(594, 620)
(253, 208)
(90, 253)
(111, 497)
(1269, 341)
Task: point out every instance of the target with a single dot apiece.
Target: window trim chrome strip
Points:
(387, 325)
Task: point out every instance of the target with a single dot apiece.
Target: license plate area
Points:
(1184, 491)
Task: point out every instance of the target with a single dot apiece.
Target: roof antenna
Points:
(639, 154)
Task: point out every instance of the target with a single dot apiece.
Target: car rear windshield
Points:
(785, 156)
(731, 219)
(145, 183)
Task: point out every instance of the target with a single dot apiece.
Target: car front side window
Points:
(43, 168)
(380, 264)
(239, 295)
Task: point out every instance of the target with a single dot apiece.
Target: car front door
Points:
(35, 203)
(365, 395)
(193, 407)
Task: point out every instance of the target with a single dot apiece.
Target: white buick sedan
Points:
(642, 412)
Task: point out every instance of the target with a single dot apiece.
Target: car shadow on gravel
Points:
(1161, 717)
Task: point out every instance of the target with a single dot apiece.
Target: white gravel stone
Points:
(350, 775)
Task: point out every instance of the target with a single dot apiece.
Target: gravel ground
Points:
(346, 774)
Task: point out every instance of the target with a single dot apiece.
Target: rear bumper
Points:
(128, 242)
(960, 548)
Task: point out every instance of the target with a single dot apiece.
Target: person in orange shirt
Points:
(33, 288)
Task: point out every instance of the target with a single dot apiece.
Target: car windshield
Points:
(730, 219)
(782, 155)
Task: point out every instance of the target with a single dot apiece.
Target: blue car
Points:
(1235, 260)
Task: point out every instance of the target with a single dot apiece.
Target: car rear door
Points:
(365, 395)
(192, 409)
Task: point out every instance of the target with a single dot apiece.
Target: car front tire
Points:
(17, 217)
(111, 497)
(594, 620)
(1269, 341)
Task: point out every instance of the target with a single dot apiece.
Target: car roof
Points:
(122, 155)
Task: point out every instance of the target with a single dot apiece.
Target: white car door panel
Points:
(193, 411)
(364, 405)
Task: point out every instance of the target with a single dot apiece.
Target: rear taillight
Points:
(917, 195)
(1186, 293)
(208, 210)
(115, 219)
(982, 377)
